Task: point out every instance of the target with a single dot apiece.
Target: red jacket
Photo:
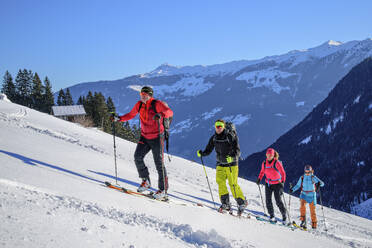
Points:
(273, 176)
(149, 126)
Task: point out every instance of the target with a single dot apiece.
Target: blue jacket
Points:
(308, 187)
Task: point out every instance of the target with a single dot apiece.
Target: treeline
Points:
(99, 111)
(28, 90)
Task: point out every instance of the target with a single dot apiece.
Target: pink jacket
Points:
(274, 174)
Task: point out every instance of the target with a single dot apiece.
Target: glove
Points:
(258, 181)
(229, 159)
(281, 184)
(317, 186)
(199, 153)
(290, 188)
(157, 116)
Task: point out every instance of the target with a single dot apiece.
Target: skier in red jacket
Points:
(151, 112)
(275, 175)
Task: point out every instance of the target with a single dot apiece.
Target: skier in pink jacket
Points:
(274, 172)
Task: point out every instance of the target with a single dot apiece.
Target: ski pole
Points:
(289, 204)
(214, 204)
(321, 205)
(263, 205)
(113, 134)
(162, 156)
(285, 205)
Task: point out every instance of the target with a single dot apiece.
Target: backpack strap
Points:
(302, 181)
(274, 167)
(153, 102)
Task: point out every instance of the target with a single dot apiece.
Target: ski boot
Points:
(285, 221)
(145, 185)
(160, 195)
(225, 208)
(272, 219)
(242, 205)
(303, 224)
(313, 225)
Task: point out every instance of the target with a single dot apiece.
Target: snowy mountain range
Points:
(264, 97)
(336, 139)
(52, 194)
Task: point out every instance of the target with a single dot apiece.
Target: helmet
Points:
(148, 90)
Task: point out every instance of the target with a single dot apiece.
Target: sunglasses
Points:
(144, 94)
(219, 127)
(307, 172)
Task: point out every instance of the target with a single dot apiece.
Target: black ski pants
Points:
(157, 147)
(277, 189)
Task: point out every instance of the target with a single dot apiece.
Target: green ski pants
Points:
(231, 174)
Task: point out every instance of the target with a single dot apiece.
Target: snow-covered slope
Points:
(52, 195)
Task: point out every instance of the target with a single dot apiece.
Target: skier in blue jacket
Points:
(309, 185)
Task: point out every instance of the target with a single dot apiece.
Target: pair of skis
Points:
(149, 195)
(131, 192)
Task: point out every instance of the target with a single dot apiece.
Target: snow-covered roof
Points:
(68, 110)
(4, 97)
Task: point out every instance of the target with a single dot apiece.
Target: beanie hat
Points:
(148, 90)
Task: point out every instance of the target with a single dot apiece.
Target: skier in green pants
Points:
(226, 144)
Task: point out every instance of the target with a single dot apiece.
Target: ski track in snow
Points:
(29, 197)
(18, 118)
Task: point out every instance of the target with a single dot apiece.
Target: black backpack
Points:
(166, 122)
(230, 128)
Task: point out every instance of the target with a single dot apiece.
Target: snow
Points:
(370, 106)
(3, 97)
(208, 115)
(305, 141)
(338, 119)
(364, 209)
(327, 112)
(52, 195)
(299, 104)
(238, 119)
(361, 163)
(328, 129)
(295, 57)
(356, 100)
(187, 86)
(265, 78)
(280, 115)
(181, 126)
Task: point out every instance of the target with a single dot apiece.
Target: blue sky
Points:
(83, 41)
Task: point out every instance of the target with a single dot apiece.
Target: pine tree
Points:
(100, 110)
(9, 87)
(48, 97)
(111, 105)
(68, 98)
(81, 100)
(61, 100)
(88, 104)
(37, 93)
